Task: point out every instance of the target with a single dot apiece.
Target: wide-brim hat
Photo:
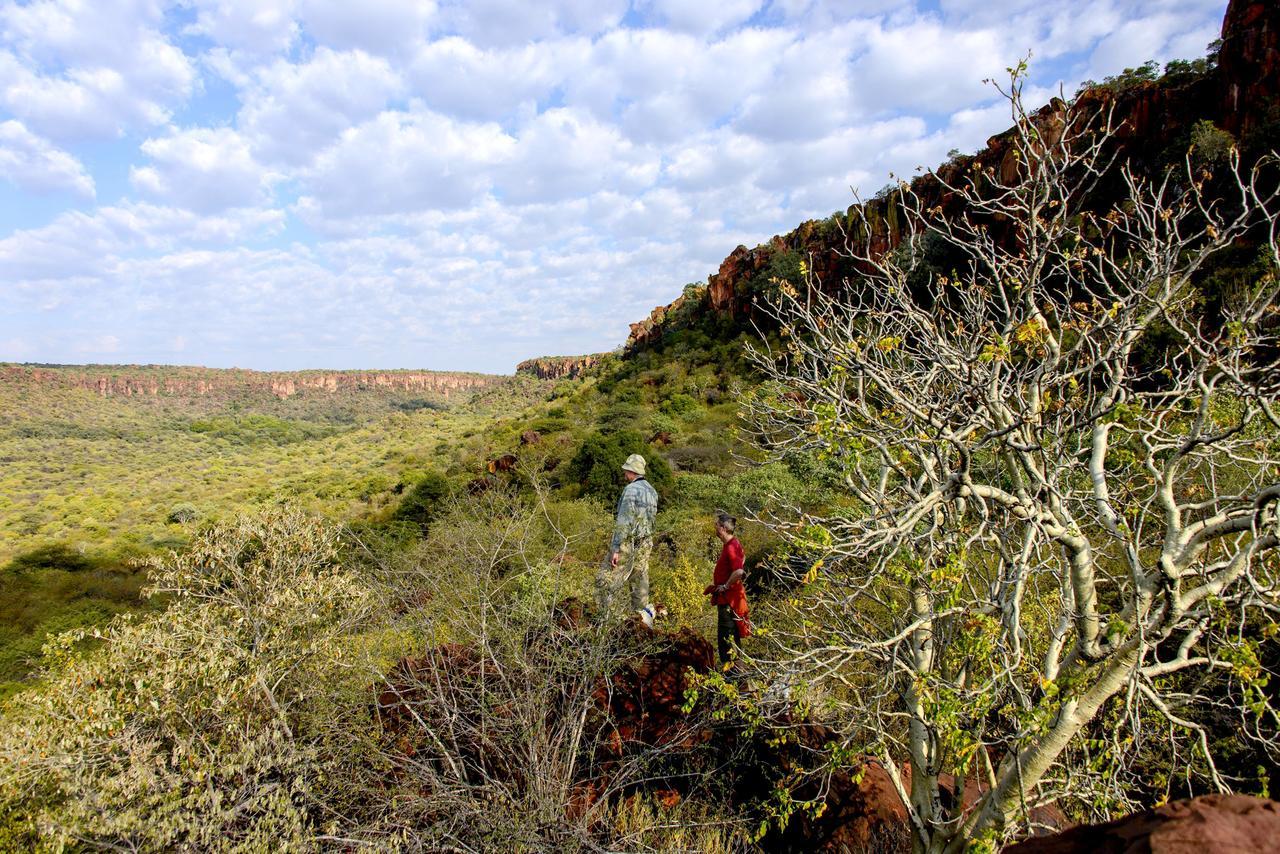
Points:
(634, 463)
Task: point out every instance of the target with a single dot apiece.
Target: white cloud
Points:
(703, 18)
(667, 85)
(375, 26)
(254, 26)
(16, 349)
(811, 95)
(509, 23)
(78, 247)
(405, 161)
(76, 69)
(716, 159)
(455, 76)
(927, 66)
(292, 111)
(203, 169)
(1164, 35)
(565, 153)
(34, 164)
(101, 345)
(78, 32)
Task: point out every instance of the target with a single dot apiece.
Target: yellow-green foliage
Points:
(95, 472)
(216, 725)
(678, 585)
(647, 824)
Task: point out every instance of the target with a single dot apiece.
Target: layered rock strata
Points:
(149, 381)
(559, 367)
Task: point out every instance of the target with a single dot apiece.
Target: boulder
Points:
(506, 462)
(1211, 824)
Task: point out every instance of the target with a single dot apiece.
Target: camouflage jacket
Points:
(636, 509)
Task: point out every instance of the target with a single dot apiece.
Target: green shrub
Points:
(660, 422)
(550, 424)
(182, 514)
(708, 457)
(705, 492)
(423, 501)
(1212, 143)
(620, 416)
(679, 405)
(597, 464)
(217, 725)
(53, 556)
(782, 266)
(53, 589)
(760, 488)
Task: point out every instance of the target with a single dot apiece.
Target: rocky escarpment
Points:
(559, 367)
(1240, 96)
(155, 381)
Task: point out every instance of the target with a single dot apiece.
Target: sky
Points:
(290, 184)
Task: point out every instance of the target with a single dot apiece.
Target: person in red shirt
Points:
(727, 591)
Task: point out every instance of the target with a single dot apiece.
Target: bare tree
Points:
(1062, 480)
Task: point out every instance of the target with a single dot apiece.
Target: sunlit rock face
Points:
(558, 367)
(153, 381)
(1213, 824)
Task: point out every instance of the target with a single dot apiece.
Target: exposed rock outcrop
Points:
(153, 381)
(1249, 65)
(559, 367)
(1240, 96)
(640, 707)
(1213, 824)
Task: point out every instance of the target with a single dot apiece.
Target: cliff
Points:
(1239, 95)
(559, 367)
(155, 381)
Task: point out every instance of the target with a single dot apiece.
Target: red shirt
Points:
(731, 559)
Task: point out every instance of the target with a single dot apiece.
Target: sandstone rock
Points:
(1212, 824)
(153, 381)
(506, 462)
(559, 367)
(1249, 63)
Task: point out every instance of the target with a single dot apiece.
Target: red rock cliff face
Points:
(1249, 64)
(147, 381)
(1240, 97)
(559, 367)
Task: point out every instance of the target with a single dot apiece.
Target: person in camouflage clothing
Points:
(628, 558)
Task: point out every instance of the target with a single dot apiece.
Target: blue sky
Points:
(286, 184)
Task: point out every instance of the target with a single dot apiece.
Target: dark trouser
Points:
(726, 632)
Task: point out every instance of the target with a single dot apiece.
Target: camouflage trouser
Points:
(633, 567)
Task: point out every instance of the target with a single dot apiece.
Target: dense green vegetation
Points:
(106, 473)
(91, 483)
